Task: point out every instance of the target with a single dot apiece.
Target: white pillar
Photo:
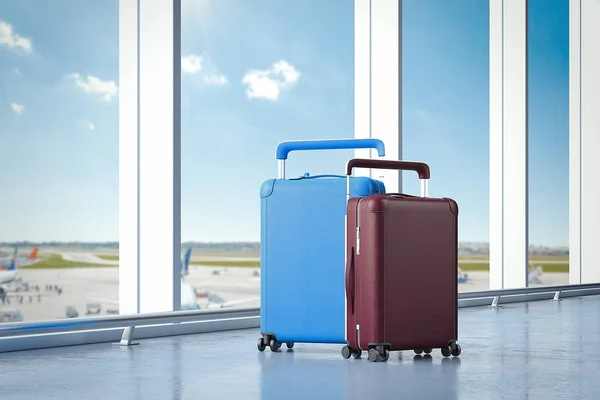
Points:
(584, 140)
(377, 82)
(362, 78)
(150, 69)
(508, 144)
(128, 158)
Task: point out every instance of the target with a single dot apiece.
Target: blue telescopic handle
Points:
(284, 148)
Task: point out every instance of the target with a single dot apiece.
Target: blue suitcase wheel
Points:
(261, 345)
(274, 345)
(290, 345)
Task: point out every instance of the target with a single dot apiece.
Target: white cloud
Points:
(17, 71)
(268, 83)
(202, 65)
(191, 64)
(215, 79)
(18, 108)
(94, 85)
(11, 39)
(91, 126)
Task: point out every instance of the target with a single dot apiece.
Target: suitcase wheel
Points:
(426, 351)
(348, 351)
(456, 351)
(261, 344)
(452, 349)
(376, 355)
(274, 345)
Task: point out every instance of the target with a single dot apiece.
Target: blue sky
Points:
(254, 75)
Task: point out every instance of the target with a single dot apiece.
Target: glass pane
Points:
(254, 74)
(548, 71)
(59, 141)
(445, 107)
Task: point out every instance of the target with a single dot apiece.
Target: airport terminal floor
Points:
(536, 350)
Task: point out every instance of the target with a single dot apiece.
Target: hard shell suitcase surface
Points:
(401, 274)
(303, 250)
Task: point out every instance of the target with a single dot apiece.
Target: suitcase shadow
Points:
(307, 374)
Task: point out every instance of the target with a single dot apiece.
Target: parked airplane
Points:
(189, 295)
(9, 274)
(28, 260)
(535, 274)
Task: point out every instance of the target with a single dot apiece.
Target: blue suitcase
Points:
(302, 249)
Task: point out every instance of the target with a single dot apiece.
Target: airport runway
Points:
(83, 285)
(87, 258)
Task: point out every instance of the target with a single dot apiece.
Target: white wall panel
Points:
(508, 144)
(584, 140)
(379, 22)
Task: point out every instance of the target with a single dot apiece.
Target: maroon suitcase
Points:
(401, 270)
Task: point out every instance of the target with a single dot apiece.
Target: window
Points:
(59, 139)
(253, 75)
(445, 107)
(548, 86)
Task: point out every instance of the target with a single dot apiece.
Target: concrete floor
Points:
(537, 350)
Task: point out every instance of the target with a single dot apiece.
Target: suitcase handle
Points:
(284, 148)
(420, 167)
(350, 279)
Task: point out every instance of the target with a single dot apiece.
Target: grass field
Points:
(108, 257)
(56, 261)
(216, 263)
(555, 258)
(482, 266)
(211, 263)
(486, 267)
(531, 258)
(536, 260)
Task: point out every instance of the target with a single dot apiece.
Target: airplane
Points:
(9, 274)
(190, 296)
(535, 274)
(27, 260)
